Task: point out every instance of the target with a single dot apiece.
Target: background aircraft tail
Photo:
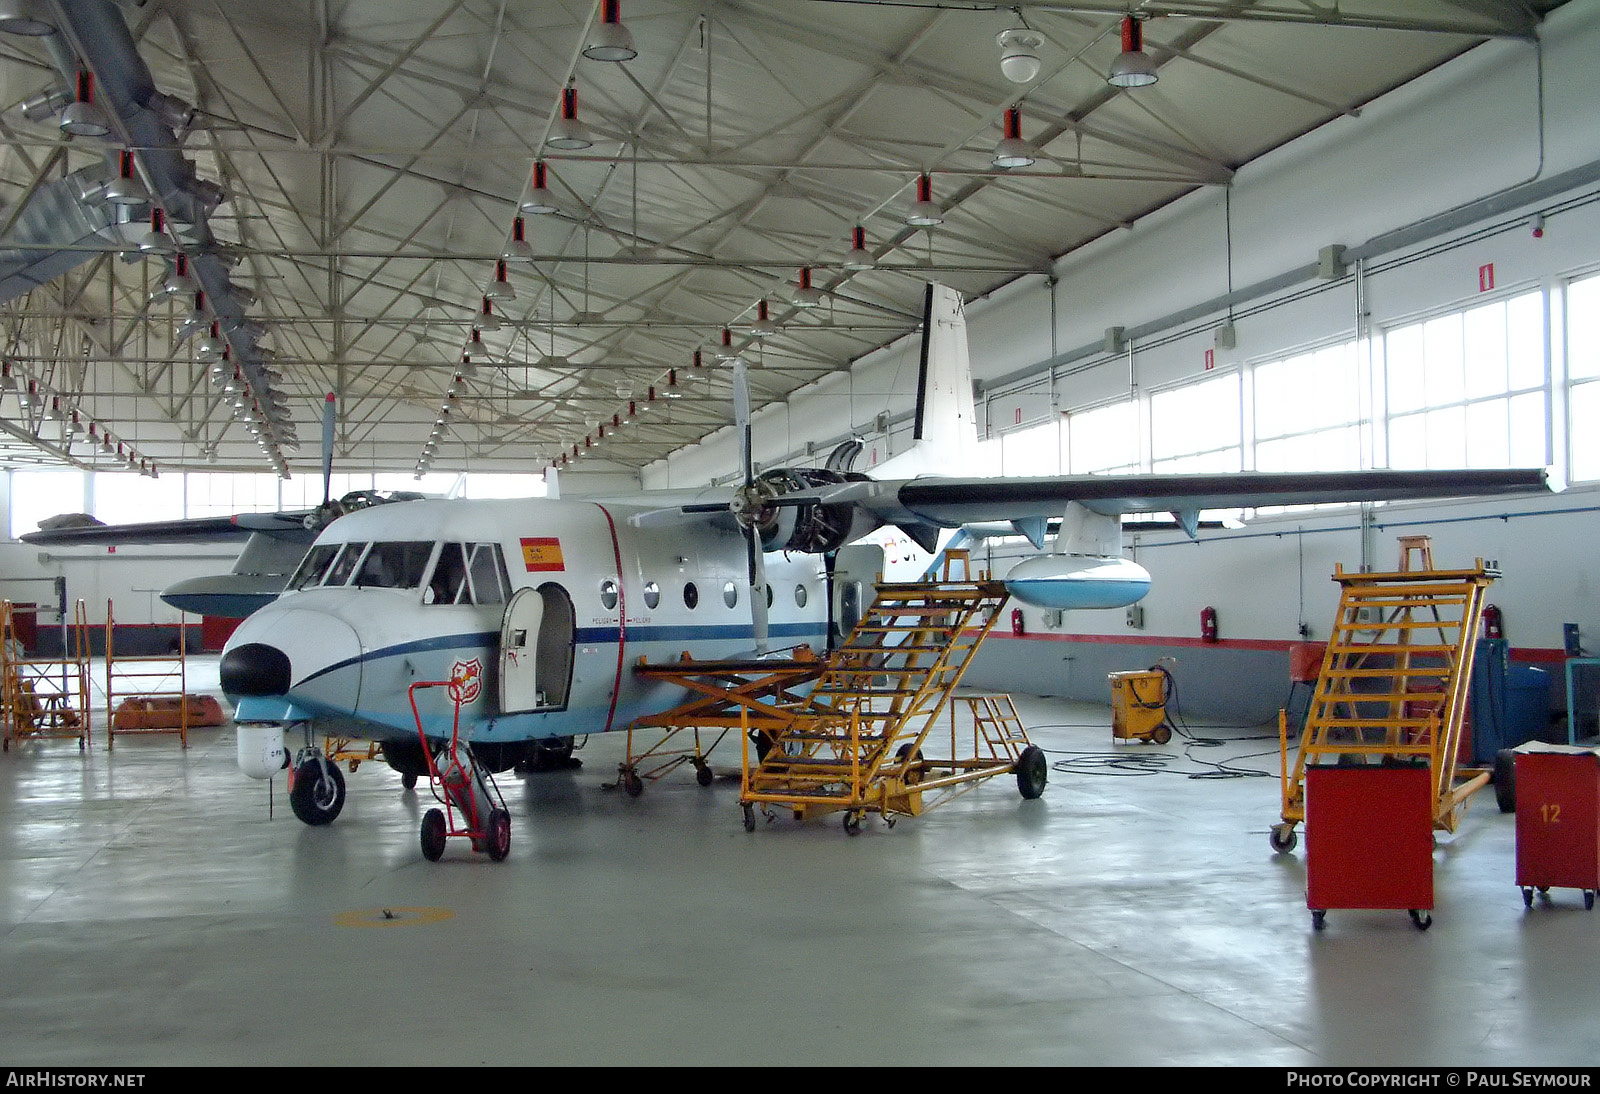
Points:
(945, 434)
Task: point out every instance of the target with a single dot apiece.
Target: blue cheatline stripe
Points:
(590, 635)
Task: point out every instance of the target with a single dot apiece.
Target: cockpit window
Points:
(488, 573)
(468, 573)
(313, 565)
(345, 564)
(449, 576)
(394, 565)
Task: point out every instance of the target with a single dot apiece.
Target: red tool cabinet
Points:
(1369, 840)
(1558, 822)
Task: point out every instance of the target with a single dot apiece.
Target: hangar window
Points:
(1104, 439)
(1468, 389)
(1196, 428)
(1583, 371)
(1308, 411)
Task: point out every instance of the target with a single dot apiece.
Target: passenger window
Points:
(488, 572)
(608, 594)
(691, 595)
(449, 576)
(799, 596)
(652, 594)
(313, 566)
(730, 594)
(394, 565)
(345, 564)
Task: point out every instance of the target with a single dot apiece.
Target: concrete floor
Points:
(153, 913)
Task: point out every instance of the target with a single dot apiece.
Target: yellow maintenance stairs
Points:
(44, 697)
(1394, 681)
(857, 731)
(862, 740)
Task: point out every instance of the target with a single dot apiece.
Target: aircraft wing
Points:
(951, 502)
(930, 502)
(236, 528)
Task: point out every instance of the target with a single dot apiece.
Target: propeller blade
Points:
(329, 408)
(753, 552)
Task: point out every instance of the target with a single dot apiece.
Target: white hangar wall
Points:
(1426, 186)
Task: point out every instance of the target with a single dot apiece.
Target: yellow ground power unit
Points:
(1139, 706)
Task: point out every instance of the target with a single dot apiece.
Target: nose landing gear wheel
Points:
(318, 793)
(433, 833)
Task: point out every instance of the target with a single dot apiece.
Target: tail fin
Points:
(945, 435)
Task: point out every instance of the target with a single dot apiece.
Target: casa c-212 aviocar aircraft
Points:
(539, 608)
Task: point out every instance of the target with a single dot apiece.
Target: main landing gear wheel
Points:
(433, 830)
(498, 838)
(1032, 771)
(318, 792)
(409, 780)
(1283, 838)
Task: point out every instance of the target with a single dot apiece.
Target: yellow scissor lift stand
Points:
(45, 697)
(1393, 684)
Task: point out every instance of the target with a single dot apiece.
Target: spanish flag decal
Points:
(540, 555)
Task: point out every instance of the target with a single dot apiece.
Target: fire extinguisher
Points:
(1492, 623)
(1208, 624)
(1016, 622)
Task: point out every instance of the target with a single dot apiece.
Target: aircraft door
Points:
(536, 647)
(855, 574)
(519, 661)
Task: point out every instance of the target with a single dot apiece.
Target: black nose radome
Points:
(255, 669)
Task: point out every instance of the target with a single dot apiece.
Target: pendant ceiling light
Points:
(569, 134)
(156, 240)
(518, 249)
(858, 257)
(501, 289)
(83, 116)
(1019, 54)
(763, 327)
(924, 213)
(1013, 151)
(29, 17)
(126, 189)
(610, 40)
(540, 200)
(804, 296)
(1133, 67)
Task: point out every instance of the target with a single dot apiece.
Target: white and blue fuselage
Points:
(537, 608)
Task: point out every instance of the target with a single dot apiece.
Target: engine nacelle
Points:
(808, 529)
(1078, 581)
(261, 750)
